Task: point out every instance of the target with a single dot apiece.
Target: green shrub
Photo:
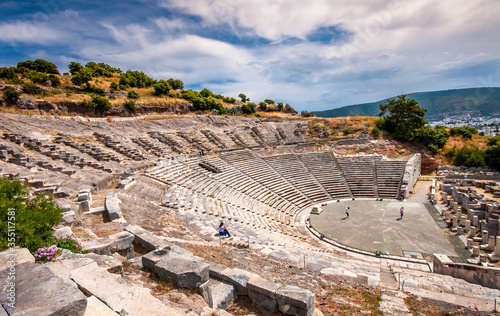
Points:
(307, 114)
(133, 95)
(263, 106)
(70, 243)
(33, 217)
(134, 78)
(113, 86)
(130, 105)
(32, 89)
(94, 89)
(375, 131)
(97, 102)
(162, 87)
(380, 123)
(39, 65)
(10, 95)
(347, 131)
(247, 109)
(8, 73)
(465, 131)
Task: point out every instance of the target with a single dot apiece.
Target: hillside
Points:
(439, 104)
(98, 89)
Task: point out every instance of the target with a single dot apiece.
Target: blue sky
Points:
(314, 55)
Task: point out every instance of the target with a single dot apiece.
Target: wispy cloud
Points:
(29, 32)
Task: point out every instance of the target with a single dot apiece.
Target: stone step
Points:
(120, 294)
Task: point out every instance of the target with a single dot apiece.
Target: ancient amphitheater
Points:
(149, 193)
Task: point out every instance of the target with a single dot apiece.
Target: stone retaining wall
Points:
(485, 276)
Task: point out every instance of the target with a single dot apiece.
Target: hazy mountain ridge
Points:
(439, 104)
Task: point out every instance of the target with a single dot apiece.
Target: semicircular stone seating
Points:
(270, 192)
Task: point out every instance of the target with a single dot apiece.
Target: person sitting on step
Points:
(223, 231)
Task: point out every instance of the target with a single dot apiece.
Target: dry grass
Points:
(209, 253)
(279, 115)
(349, 299)
(417, 307)
(458, 141)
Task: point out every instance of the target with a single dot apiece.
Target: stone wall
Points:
(412, 172)
(485, 276)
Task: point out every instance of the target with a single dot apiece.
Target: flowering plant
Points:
(45, 254)
(70, 243)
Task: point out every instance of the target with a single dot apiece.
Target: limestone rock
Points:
(186, 271)
(239, 278)
(17, 255)
(100, 246)
(262, 293)
(120, 294)
(62, 232)
(39, 292)
(222, 294)
(293, 300)
(123, 240)
(112, 206)
(96, 307)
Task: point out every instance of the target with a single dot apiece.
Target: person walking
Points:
(401, 212)
(347, 212)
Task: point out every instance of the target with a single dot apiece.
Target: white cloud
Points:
(395, 47)
(30, 32)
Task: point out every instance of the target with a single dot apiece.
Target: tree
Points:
(269, 101)
(243, 97)
(74, 67)
(492, 153)
(39, 65)
(33, 217)
(162, 87)
(404, 117)
(82, 77)
(10, 95)
(176, 84)
(263, 106)
(280, 106)
(206, 93)
(246, 109)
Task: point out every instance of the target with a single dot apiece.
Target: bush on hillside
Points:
(465, 131)
(130, 105)
(38, 65)
(492, 153)
(162, 87)
(8, 72)
(134, 78)
(133, 95)
(97, 102)
(307, 114)
(32, 89)
(32, 217)
(10, 95)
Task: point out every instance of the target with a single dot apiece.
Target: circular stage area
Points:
(376, 225)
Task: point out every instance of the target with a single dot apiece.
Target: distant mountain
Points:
(439, 104)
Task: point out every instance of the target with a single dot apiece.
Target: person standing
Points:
(401, 211)
(347, 212)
